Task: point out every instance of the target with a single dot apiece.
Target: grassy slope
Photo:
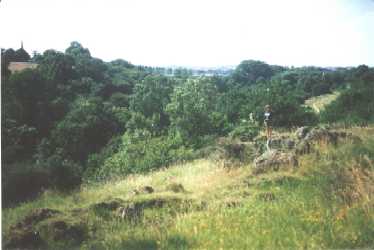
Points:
(319, 102)
(325, 203)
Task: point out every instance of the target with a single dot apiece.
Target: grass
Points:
(326, 203)
(319, 102)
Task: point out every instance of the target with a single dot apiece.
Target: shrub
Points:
(140, 153)
(245, 132)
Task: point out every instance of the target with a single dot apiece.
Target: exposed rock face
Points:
(283, 151)
(323, 135)
(274, 160)
(320, 135)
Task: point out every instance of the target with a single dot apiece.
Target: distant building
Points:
(19, 66)
(19, 60)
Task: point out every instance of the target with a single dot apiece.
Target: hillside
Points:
(218, 202)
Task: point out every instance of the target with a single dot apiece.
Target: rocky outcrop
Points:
(274, 160)
(320, 135)
(282, 143)
(283, 151)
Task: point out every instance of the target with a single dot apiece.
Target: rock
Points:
(176, 188)
(273, 160)
(318, 135)
(322, 135)
(302, 132)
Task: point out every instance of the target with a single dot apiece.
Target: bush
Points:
(140, 153)
(245, 132)
(64, 173)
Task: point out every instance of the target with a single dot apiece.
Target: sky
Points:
(197, 33)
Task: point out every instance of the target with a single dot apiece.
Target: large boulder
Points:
(273, 160)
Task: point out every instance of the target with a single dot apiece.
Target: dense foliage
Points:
(76, 116)
(355, 105)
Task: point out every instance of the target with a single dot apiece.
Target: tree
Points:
(151, 97)
(7, 56)
(57, 67)
(192, 108)
(77, 134)
(247, 72)
(21, 55)
(85, 65)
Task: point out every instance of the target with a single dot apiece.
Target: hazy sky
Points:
(197, 32)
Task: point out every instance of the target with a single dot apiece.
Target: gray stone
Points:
(273, 160)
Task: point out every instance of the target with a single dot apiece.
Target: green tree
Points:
(248, 71)
(193, 109)
(151, 97)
